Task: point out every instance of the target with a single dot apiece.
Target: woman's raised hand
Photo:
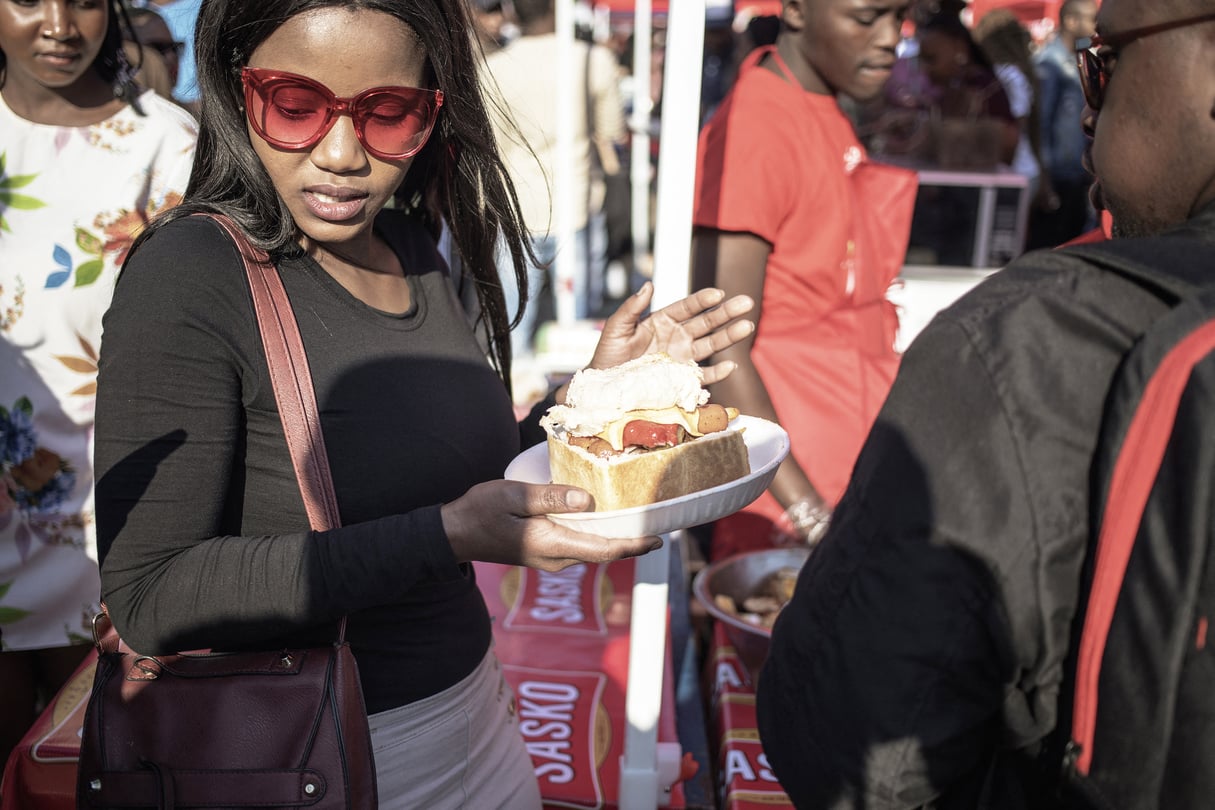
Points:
(503, 522)
(693, 328)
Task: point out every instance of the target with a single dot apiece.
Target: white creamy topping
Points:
(597, 397)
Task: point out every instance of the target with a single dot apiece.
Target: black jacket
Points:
(921, 659)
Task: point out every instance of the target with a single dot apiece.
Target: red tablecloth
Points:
(744, 779)
(41, 773)
(563, 640)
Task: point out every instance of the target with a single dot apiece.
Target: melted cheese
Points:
(613, 432)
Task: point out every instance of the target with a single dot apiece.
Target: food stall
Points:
(659, 639)
(979, 228)
(591, 651)
(649, 765)
(658, 643)
(609, 690)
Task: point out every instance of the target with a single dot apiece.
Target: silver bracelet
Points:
(809, 518)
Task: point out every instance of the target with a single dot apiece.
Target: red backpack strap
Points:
(1134, 475)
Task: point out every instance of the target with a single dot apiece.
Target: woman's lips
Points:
(334, 204)
(61, 59)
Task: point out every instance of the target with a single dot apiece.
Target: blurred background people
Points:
(86, 159)
(718, 66)
(1066, 212)
(964, 123)
(181, 16)
(789, 210)
(895, 124)
(153, 33)
(974, 126)
(154, 50)
(490, 20)
(1006, 43)
(525, 84)
(755, 31)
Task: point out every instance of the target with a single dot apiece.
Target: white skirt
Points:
(460, 748)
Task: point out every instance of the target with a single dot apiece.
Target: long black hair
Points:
(458, 178)
(950, 25)
(111, 63)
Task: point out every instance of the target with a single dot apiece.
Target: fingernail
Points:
(656, 545)
(577, 499)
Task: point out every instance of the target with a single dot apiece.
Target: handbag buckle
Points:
(145, 668)
(97, 632)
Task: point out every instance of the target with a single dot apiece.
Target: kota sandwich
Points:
(642, 432)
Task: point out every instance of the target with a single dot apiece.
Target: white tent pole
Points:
(563, 179)
(648, 769)
(643, 106)
(677, 150)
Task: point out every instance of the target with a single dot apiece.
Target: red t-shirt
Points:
(785, 165)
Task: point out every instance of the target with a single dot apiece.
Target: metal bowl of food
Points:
(745, 592)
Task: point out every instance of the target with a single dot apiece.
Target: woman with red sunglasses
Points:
(341, 137)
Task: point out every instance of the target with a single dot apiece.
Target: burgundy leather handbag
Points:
(285, 728)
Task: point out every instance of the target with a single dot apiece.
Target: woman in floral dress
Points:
(85, 160)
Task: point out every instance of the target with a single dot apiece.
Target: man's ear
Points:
(793, 14)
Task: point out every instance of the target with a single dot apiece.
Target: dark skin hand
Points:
(697, 327)
(737, 263)
(504, 521)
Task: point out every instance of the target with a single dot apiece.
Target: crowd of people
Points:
(984, 95)
(979, 95)
(158, 452)
(528, 92)
(397, 161)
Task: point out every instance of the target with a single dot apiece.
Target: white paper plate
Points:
(767, 445)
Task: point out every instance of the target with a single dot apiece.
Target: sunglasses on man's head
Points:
(294, 112)
(1096, 55)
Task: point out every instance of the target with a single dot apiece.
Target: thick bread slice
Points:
(659, 475)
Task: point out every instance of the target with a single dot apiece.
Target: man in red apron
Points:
(790, 211)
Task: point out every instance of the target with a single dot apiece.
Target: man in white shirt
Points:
(526, 73)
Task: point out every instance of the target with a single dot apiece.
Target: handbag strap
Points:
(292, 381)
(291, 378)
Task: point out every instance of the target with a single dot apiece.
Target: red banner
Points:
(563, 639)
(745, 780)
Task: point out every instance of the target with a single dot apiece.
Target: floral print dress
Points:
(72, 199)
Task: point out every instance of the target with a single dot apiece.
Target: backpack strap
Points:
(1186, 290)
(1134, 473)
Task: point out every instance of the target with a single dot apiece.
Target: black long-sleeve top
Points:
(202, 532)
